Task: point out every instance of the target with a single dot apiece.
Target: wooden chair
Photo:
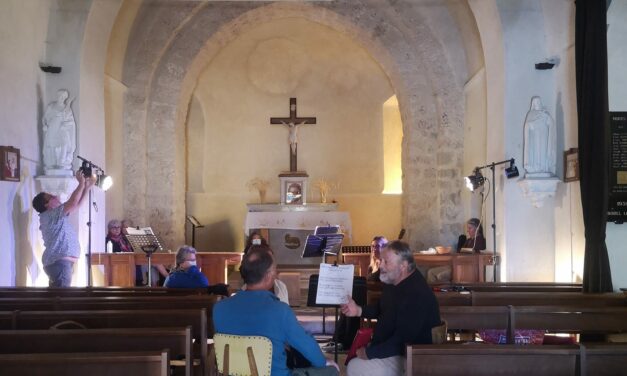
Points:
(234, 352)
(438, 333)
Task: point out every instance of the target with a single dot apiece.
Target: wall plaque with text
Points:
(617, 202)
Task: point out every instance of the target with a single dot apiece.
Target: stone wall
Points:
(166, 50)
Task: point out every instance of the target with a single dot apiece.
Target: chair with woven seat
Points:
(439, 334)
(243, 355)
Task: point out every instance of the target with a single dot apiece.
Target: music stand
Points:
(147, 243)
(322, 244)
(324, 230)
(360, 291)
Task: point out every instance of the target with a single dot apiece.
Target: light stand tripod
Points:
(478, 180)
(89, 281)
(104, 182)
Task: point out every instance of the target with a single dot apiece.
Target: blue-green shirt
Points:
(60, 239)
(260, 313)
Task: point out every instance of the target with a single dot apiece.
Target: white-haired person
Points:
(186, 274)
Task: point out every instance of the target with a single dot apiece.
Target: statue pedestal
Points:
(61, 186)
(538, 189)
(58, 172)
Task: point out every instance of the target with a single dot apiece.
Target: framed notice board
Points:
(617, 199)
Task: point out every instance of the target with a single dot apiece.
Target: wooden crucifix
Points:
(292, 123)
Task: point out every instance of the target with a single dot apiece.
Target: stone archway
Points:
(157, 101)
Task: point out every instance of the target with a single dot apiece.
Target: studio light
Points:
(104, 182)
(475, 180)
(512, 170)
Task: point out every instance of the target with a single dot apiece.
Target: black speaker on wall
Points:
(50, 69)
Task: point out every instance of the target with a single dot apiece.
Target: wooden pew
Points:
(94, 319)
(480, 298)
(512, 286)
(177, 340)
(568, 319)
(149, 363)
(34, 292)
(468, 318)
(487, 360)
(604, 359)
(108, 302)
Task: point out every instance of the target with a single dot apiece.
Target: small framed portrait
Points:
(10, 161)
(293, 190)
(571, 165)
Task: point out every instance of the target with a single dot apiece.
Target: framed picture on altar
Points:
(571, 165)
(293, 190)
(10, 162)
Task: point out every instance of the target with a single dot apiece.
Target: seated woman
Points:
(118, 240)
(347, 326)
(186, 274)
(119, 243)
(255, 238)
(474, 240)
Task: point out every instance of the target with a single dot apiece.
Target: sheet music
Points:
(139, 231)
(335, 283)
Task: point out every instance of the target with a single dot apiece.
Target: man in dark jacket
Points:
(405, 314)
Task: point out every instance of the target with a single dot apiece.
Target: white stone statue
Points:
(539, 141)
(59, 134)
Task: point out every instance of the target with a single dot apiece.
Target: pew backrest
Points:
(483, 298)
(177, 340)
(149, 363)
(487, 360)
(570, 319)
(604, 359)
(196, 318)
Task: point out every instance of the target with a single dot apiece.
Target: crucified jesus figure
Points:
(293, 136)
(292, 123)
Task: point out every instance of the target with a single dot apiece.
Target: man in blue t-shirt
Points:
(258, 312)
(60, 240)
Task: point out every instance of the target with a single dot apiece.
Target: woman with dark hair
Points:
(186, 274)
(475, 239)
(255, 238)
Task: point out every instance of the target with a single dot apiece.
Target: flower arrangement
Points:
(261, 186)
(324, 187)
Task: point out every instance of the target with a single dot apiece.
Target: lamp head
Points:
(104, 182)
(475, 180)
(512, 170)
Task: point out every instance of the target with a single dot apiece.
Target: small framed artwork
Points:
(10, 162)
(571, 165)
(293, 190)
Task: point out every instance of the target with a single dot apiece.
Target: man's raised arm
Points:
(78, 196)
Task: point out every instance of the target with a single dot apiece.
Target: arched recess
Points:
(160, 81)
